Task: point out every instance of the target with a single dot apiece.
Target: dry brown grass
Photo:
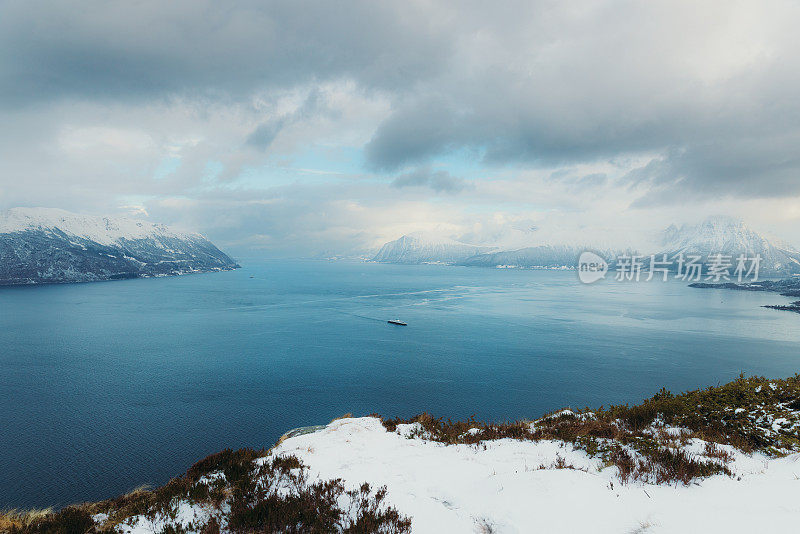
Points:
(729, 414)
(10, 519)
(69, 520)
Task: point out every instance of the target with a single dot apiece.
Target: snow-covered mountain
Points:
(716, 235)
(424, 248)
(730, 237)
(542, 256)
(44, 245)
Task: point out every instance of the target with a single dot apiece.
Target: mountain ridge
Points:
(716, 235)
(48, 245)
(423, 248)
(730, 237)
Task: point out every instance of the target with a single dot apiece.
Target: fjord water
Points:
(108, 386)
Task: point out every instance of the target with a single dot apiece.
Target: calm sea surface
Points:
(107, 386)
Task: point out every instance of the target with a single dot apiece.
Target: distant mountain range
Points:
(422, 248)
(43, 245)
(717, 235)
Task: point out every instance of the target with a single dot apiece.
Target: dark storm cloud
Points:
(707, 89)
(505, 128)
(746, 167)
(117, 49)
(419, 131)
(439, 181)
(264, 134)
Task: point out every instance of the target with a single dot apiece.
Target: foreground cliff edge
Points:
(723, 459)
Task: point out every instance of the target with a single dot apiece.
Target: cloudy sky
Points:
(300, 128)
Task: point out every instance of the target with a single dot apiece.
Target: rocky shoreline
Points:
(794, 307)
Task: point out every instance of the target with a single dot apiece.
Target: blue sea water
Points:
(107, 386)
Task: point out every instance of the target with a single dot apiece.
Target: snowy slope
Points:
(508, 251)
(503, 489)
(101, 230)
(542, 256)
(43, 245)
(730, 237)
(425, 248)
(509, 486)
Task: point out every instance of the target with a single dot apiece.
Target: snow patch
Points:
(514, 486)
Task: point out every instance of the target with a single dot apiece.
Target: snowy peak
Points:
(102, 230)
(732, 237)
(717, 233)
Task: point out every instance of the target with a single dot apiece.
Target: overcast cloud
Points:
(306, 128)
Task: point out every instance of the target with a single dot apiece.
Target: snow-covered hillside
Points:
(730, 237)
(514, 486)
(101, 230)
(424, 248)
(44, 245)
(720, 459)
(543, 256)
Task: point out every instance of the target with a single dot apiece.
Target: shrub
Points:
(262, 504)
(232, 463)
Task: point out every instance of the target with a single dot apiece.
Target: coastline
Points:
(122, 276)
